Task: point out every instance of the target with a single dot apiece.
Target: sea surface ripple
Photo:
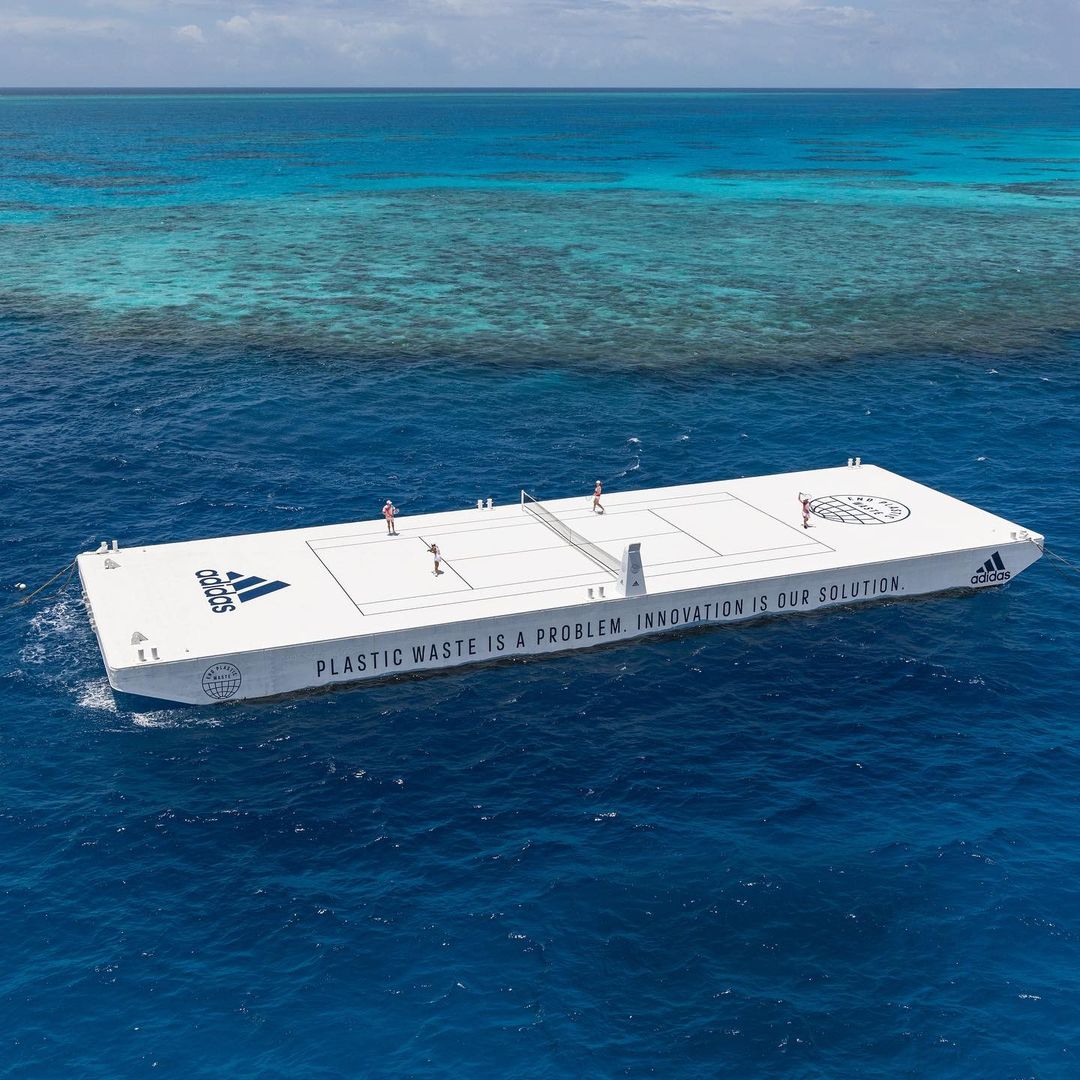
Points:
(827, 845)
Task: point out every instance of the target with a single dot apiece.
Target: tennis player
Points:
(389, 510)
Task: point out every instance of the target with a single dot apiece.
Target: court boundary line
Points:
(397, 599)
(508, 522)
(556, 545)
(503, 591)
(780, 521)
(447, 562)
(460, 596)
(543, 585)
(679, 528)
(334, 577)
(744, 562)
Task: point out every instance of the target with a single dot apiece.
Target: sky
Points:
(556, 43)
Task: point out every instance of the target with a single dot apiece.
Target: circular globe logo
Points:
(859, 509)
(221, 681)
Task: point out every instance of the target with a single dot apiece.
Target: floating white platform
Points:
(263, 614)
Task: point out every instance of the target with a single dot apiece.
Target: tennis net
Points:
(556, 525)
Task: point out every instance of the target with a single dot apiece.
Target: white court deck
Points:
(352, 580)
(503, 554)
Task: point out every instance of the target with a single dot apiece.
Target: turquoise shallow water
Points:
(648, 229)
(836, 845)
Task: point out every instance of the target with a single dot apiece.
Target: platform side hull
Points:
(247, 675)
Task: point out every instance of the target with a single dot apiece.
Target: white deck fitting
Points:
(728, 550)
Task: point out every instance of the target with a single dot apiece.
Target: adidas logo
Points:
(991, 571)
(222, 591)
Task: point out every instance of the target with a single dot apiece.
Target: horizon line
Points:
(264, 89)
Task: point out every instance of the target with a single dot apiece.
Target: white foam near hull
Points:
(191, 622)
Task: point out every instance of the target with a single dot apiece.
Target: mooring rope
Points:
(69, 570)
(1064, 562)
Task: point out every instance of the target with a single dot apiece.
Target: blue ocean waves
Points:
(837, 844)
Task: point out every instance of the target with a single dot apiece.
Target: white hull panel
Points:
(447, 625)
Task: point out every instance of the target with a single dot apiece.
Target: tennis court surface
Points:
(514, 551)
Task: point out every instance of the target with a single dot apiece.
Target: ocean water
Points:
(821, 846)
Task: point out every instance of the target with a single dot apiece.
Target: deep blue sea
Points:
(833, 845)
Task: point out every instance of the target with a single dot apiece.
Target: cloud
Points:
(56, 26)
(541, 42)
(237, 25)
(317, 32)
(134, 7)
(192, 33)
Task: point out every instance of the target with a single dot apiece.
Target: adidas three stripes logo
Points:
(223, 591)
(991, 571)
(252, 587)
